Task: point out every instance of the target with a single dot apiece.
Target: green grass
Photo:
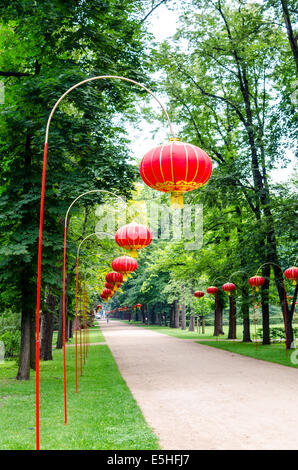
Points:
(103, 415)
(185, 334)
(95, 336)
(275, 352)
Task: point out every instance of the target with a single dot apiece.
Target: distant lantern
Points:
(115, 279)
(138, 305)
(133, 237)
(229, 287)
(106, 294)
(212, 290)
(124, 265)
(292, 274)
(256, 281)
(199, 294)
(176, 167)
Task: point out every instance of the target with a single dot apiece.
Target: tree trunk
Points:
(60, 325)
(172, 316)
(291, 37)
(183, 317)
(219, 315)
(47, 327)
(202, 319)
(27, 349)
(232, 317)
(245, 313)
(191, 326)
(24, 361)
(176, 314)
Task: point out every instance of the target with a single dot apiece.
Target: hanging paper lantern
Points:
(109, 286)
(256, 281)
(212, 290)
(133, 237)
(176, 167)
(138, 305)
(229, 287)
(106, 293)
(292, 274)
(124, 265)
(199, 294)
(98, 307)
(114, 277)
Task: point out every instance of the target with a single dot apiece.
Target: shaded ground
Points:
(197, 397)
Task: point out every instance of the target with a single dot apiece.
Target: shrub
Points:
(12, 341)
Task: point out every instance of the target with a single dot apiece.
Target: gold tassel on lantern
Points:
(177, 200)
(134, 253)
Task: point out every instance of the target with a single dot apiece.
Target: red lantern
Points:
(98, 307)
(124, 265)
(133, 237)
(199, 294)
(292, 274)
(212, 290)
(138, 305)
(256, 281)
(109, 286)
(106, 293)
(114, 277)
(176, 167)
(229, 287)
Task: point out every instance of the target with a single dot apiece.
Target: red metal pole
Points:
(64, 349)
(77, 281)
(285, 308)
(253, 305)
(233, 313)
(38, 290)
(81, 324)
(216, 319)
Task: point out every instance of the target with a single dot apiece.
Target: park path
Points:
(197, 397)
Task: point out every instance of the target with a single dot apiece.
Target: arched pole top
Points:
(236, 272)
(88, 236)
(95, 191)
(100, 77)
(219, 277)
(270, 263)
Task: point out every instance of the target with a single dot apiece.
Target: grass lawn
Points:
(103, 415)
(95, 336)
(275, 352)
(185, 334)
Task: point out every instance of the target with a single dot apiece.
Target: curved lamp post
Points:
(76, 341)
(100, 77)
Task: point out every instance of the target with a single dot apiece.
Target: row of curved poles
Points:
(37, 349)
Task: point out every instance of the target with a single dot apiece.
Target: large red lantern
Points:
(176, 167)
(124, 265)
(292, 274)
(256, 281)
(199, 294)
(212, 290)
(133, 237)
(229, 287)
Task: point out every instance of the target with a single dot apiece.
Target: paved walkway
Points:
(198, 397)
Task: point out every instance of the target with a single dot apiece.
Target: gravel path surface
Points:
(198, 397)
